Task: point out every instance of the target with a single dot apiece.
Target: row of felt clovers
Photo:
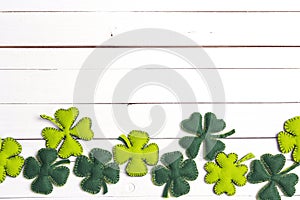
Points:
(226, 172)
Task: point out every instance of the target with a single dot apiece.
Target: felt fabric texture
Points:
(136, 151)
(267, 169)
(45, 171)
(174, 174)
(66, 132)
(226, 172)
(97, 171)
(10, 162)
(204, 133)
(289, 139)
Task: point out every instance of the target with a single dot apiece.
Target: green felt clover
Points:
(96, 170)
(289, 140)
(64, 120)
(136, 152)
(204, 134)
(227, 172)
(10, 162)
(267, 169)
(45, 171)
(174, 174)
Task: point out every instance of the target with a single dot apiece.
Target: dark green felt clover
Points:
(45, 171)
(267, 169)
(174, 174)
(96, 170)
(204, 133)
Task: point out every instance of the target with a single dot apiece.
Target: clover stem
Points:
(124, 139)
(245, 158)
(104, 188)
(225, 135)
(65, 161)
(293, 166)
(52, 120)
(166, 189)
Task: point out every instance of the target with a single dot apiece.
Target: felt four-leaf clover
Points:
(204, 134)
(289, 140)
(227, 172)
(10, 161)
(96, 170)
(45, 171)
(64, 120)
(174, 174)
(267, 169)
(136, 152)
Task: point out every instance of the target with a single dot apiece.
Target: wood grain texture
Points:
(154, 5)
(206, 29)
(254, 45)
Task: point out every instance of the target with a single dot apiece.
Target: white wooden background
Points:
(255, 45)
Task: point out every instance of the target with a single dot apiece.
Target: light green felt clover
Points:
(97, 171)
(136, 152)
(174, 174)
(46, 171)
(10, 162)
(227, 172)
(64, 120)
(289, 140)
(267, 169)
(204, 133)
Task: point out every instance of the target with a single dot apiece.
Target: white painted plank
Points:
(59, 86)
(249, 120)
(221, 57)
(131, 186)
(95, 28)
(146, 5)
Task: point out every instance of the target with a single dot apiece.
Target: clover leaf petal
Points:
(14, 165)
(96, 170)
(212, 124)
(136, 152)
(226, 172)
(191, 144)
(83, 129)
(10, 162)
(268, 169)
(31, 168)
(46, 171)
(42, 185)
(83, 166)
(205, 133)
(179, 186)
(66, 132)
(174, 174)
(188, 170)
(91, 185)
(269, 191)
(60, 175)
(66, 118)
(100, 156)
(160, 175)
(287, 183)
(289, 139)
(2, 174)
(111, 173)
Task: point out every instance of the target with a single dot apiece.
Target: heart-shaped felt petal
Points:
(212, 124)
(257, 173)
(287, 184)
(193, 124)
(273, 164)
